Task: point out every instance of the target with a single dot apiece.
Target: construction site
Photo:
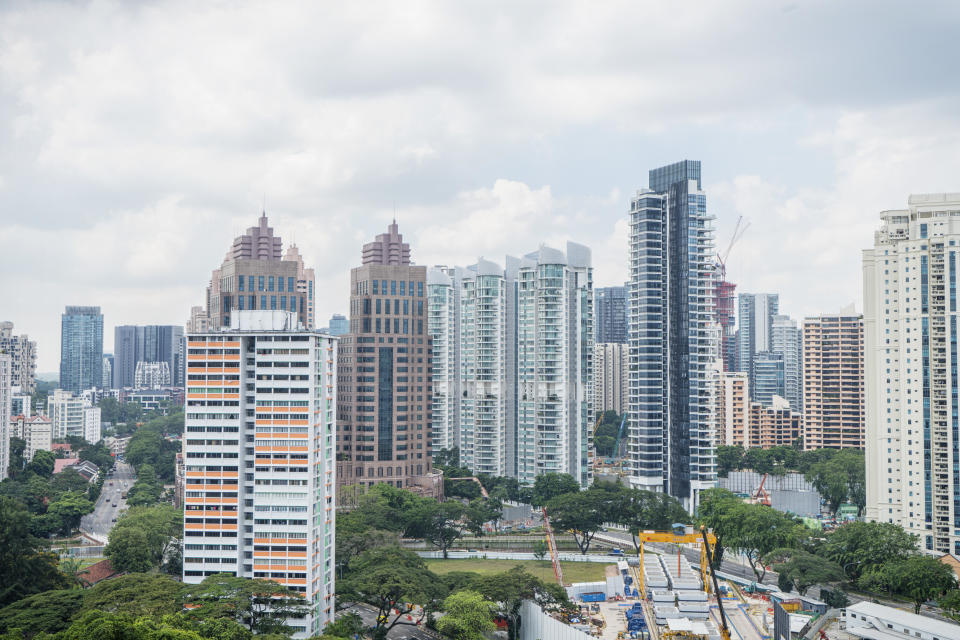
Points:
(663, 596)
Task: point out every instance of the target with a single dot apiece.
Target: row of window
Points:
(264, 283)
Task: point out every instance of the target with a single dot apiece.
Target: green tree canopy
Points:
(919, 578)
(136, 594)
(803, 569)
(42, 463)
(46, 612)
(841, 478)
(162, 527)
(469, 616)
(25, 568)
(259, 605)
(640, 510)
(583, 513)
(859, 547)
(550, 485)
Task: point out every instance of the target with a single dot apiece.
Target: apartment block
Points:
(150, 346)
(81, 348)
(610, 304)
(259, 497)
(785, 340)
(91, 424)
(66, 413)
(733, 408)
(384, 371)
(611, 366)
(725, 309)
(833, 380)
(442, 315)
(772, 425)
(6, 394)
(674, 345)
(257, 275)
(755, 330)
(23, 354)
(911, 362)
(37, 433)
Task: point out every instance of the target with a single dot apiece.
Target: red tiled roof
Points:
(62, 463)
(97, 572)
(60, 446)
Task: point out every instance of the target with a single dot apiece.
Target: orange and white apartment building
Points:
(259, 496)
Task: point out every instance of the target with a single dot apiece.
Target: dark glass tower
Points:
(81, 348)
(611, 316)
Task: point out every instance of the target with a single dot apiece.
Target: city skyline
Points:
(537, 137)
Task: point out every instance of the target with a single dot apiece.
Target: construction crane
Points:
(761, 495)
(678, 538)
(724, 629)
(738, 232)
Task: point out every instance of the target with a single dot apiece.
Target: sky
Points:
(138, 139)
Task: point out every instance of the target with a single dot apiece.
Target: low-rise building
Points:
(878, 622)
(36, 431)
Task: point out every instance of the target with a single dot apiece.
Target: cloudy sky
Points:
(137, 139)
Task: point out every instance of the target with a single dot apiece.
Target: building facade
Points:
(785, 339)
(612, 314)
(106, 382)
(611, 365)
(256, 275)
(733, 408)
(673, 344)
(384, 370)
(23, 354)
(339, 325)
(66, 413)
(91, 425)
(911, 363)
(152, 375)
(725, 309)
(259, 458)
(134, 345)
(772, 425)
(768, 377)
(6, 395)
(81, 348)
(37, 433)
(442, 315)
(833, 380)
(755, 329)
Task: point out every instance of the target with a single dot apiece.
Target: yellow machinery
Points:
(724, 629)
(680, 538)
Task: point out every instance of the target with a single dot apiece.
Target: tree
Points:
(859, 547)
(840, 478)
(47, 612)
(510, 588)
(24, 567)
(439, 523)
(136, 594)
(259, 605)
(583, 513)
(390, 579)
(919, 578)
(950, 604)
(640, 510)
(128, 551)
(17, 447)
(469, 616)
(147, 489)
(481, 511)
(540, 549)
(447, 457)
(715, 504)
(162, 528)
(42, 464)
(834, 598)
(386, 507)
(354, 537)
(802, 568)
(346, 626)
(729, 458)
(755, 530)
(550, 485)
(69, 508)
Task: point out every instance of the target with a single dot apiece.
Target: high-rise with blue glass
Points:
(674, 339)
(911, 371)
(81, 348)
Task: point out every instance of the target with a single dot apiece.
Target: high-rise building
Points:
(725, 310)
(772, 425)
(6, 393)
(610, 304)
(152, 375)
(81, 349)
(611, 366)
(256, 275)
(768, 377)
(198, 322)
(519, 386)
(443, 312)
(785, 341)
(339, 325)
(733, 408)
(23, 354)
(833, 407)
(385, 387)
(911, 362)
(134, 345)
(673, 344)
(91, 424)
(755, 330)
(107, 380)
(259, 454)
(66, 413)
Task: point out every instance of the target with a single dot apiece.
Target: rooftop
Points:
(903, 620)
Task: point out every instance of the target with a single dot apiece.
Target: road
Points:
(399, 632)
(98, 524)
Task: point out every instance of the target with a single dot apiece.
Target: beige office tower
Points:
(611, 380)
(911, 370)
(733, 407)
(255, 275)
(773, 426)
(833, 411)
(384, 371)
(258, 451)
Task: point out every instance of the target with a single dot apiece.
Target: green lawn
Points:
(572, 571)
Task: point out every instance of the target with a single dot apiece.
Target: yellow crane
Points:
(724, 629)
(679, 538)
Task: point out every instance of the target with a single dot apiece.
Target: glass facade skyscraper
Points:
(755, 319)
(611, 314)
(674, 344)
(81, 348)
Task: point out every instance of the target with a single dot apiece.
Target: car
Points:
(114, 504)
(114, 520)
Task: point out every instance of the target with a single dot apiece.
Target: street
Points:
(98, 524)
(399, 632)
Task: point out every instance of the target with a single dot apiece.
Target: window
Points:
(273, 303)
(280, 283)
(283, 301)
(269, 283)
(260, 283)
(290, 284)
(250, 283)
(393, 287)
(375, 282)
(240, 283)
(403, 288)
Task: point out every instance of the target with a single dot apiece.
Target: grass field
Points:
(572, 571)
